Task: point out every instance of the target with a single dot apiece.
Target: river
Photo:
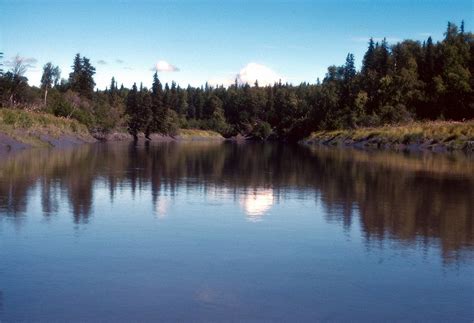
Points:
(210, 231)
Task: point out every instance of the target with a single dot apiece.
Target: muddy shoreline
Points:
(37, 139)
(10, 142)
(378, 143)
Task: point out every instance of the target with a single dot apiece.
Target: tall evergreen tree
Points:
(182, 102)
(173, 97)
(157, 107)
(368, 62)
(87, 78)
(75, 75)
(132, 111)
(384, 58)
(81, 79)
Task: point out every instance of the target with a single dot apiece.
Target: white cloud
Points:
(101, 62)
(253, 72)
(164, 66)
(249, 74)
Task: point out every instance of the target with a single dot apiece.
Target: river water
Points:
(206, 231)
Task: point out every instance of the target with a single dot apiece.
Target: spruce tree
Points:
(182, 102)
(75, 75)
(87, 78)
(173, 97)
(132, 112)
(145, 112)
(368, 62)
(349, 68)
(81, 79)
(384, 59)
(157, 107)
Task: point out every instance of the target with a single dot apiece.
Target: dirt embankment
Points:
(427, 136)
(182, 135)
(26, 138)
(21, 129)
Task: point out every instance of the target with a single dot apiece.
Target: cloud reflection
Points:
(257, 203)
(162, 206)
(387, 196)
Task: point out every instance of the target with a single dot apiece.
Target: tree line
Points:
(409, 80)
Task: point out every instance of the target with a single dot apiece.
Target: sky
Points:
(193, 42)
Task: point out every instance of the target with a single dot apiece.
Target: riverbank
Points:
(183, 135)
(439, 136)
(21, 129)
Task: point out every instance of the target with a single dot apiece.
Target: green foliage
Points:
(16, 119)
(51, 75)
(132, 110)
(394, 114)
(81, 79)
(397, 83)
(262, 131)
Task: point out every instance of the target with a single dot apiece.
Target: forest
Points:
(396, 84)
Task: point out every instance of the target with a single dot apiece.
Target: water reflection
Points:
(257, 203)
(425, 199)
(162, 206)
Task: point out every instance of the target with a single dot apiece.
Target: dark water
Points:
(222, 232)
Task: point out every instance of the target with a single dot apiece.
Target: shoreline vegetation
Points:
(410, 95)
(439, 136)
(23, 129)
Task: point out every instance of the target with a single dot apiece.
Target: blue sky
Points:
(213, 40)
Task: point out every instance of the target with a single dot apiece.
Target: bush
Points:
(397, 114)
(261, 131)
(9, 117)
(17, 118)
(370, 120)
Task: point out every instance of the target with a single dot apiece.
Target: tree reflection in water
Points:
(408, 198)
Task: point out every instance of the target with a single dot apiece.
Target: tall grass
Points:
(436, 131)
(27, 127)
(198, 133)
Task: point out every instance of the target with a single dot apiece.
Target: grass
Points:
(454, 133)
(27, 127)
(197, 133)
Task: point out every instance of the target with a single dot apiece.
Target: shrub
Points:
(398, 114)
(262, 131)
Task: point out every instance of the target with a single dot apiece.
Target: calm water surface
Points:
(219, 232)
